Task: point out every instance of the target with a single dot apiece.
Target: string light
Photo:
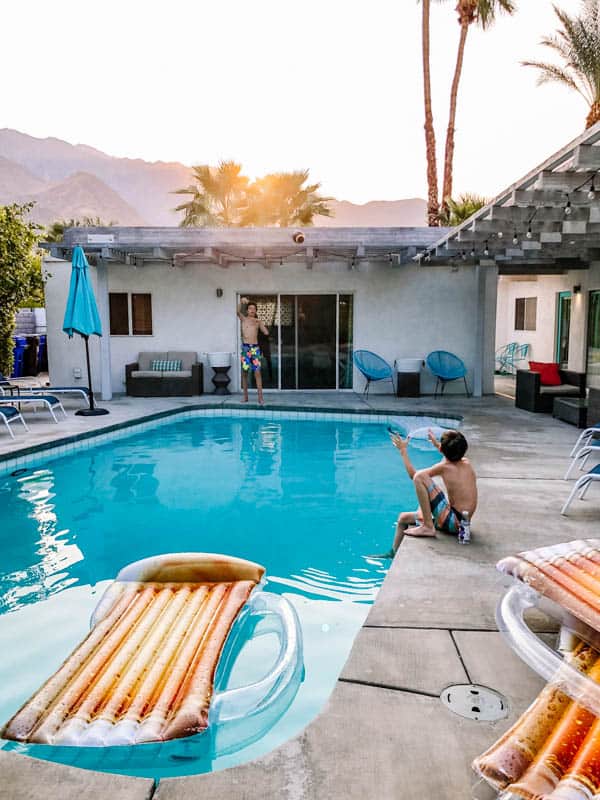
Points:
(472, 253)
(500, 234)
(486, 250)
(243, 263)
(515, 239)
(529, 234)
(568, 207)
(592, 191)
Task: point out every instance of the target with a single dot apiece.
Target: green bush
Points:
(20, 273)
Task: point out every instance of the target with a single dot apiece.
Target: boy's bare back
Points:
(461, 483)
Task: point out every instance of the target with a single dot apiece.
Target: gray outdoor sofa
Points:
(143, 381)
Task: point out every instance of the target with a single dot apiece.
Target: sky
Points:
(334, 86)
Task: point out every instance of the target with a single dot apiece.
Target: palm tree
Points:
(483, 13)
(432, 181)
(282, 199)
(578, 44)
(218, 196)
(459, 210)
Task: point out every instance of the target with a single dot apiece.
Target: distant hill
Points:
(377, 213)
(133, 191)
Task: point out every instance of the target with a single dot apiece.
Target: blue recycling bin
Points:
(42, 356)
(19, 356)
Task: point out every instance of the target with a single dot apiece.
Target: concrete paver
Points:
(24, 778)
(416, 660)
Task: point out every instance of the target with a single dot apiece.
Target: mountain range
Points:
(73, 181)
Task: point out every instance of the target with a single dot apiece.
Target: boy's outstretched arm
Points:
(402, 445)
(243, 301)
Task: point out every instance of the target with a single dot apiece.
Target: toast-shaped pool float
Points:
(145, 671)
(553, 751)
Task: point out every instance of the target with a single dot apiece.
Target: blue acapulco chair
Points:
(446, 367)
(372, 367)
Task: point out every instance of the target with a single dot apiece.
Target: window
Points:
(119, 314)
(525, 313)
(141, 314)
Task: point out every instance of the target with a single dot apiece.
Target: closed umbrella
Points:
(81, 316)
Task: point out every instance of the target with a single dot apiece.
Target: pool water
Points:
(310, 500)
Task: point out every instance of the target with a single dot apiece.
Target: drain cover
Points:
(475, 702)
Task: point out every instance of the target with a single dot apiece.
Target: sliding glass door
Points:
(593, 341)
(563, 327)
(310, 341)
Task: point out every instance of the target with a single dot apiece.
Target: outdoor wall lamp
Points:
(577, 288)
(219, 292)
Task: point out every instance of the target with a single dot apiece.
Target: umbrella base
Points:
(92, 412)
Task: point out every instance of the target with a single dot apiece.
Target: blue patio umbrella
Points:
(81, 316)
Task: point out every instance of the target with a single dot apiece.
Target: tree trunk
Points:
(432, 182)
(449, 153)
(594, 116)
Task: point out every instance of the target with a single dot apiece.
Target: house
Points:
(323, 292)
(543, 235)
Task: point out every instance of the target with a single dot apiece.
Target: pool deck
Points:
(384, 733)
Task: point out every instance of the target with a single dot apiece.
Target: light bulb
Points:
(463, 255)
(568, 208)
(592, 192)
(500, 234)
(486, 250)
(529, 234)
(244, 264)
(472, 254)
(515, 239)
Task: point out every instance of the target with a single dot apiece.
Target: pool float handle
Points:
(233, 704)
(541, 658)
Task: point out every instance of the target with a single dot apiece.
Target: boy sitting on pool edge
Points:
(436, 510)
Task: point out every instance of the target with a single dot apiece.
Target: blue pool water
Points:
(308, 500)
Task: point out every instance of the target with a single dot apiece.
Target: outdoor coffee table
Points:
(571, 409)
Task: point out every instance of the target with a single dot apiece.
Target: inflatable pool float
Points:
(553, 751)
(145, 671)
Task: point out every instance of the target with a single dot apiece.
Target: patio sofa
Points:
(143, 381)
(532, 396)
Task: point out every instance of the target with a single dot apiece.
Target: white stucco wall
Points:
(546, 289)
(398, 312)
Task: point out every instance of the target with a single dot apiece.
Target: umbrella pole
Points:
(93, 410)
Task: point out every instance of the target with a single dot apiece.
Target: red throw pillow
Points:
(549, 375)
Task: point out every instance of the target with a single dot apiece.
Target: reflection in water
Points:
(52, 547)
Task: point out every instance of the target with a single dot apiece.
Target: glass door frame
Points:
(296, 295)
(564, 295)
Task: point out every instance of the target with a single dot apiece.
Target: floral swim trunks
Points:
(250, 357)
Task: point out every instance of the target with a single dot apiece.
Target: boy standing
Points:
(436, 510)
(251, 354)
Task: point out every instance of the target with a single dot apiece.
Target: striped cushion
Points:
(166, 366)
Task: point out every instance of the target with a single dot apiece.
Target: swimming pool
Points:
(308, 499)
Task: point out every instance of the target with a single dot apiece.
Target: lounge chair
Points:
(9, 414)
(591, 447)
(446, 367)
(47, 400)
(54, 390)
(373, 368)
(582, 485)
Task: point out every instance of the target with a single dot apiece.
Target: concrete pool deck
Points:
(384, 733)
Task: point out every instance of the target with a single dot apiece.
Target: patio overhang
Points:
(227, 247)
(545, 223)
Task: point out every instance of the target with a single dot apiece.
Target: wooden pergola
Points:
(546, 223)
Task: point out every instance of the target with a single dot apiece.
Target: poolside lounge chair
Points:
(84, 392)
(446, 367)
(582, 485)
(10, 414)
(373, 368)
(47, 400)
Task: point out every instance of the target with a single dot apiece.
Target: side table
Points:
(571, 409)
(221, 380)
